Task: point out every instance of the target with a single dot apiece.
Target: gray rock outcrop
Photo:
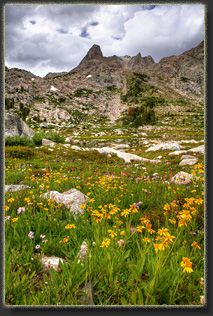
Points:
(15, 126)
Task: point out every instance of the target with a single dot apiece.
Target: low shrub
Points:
(55, 137)
(37, 138)
(18, 141)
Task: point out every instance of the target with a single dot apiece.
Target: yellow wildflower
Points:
(70, 226)
(186, 264)
(139, 228)
(105, 242)
(195, 245)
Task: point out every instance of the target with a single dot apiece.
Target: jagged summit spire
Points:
(94, 52)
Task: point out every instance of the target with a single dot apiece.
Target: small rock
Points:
(177, 152)
(88, 298)
(182, 178)
(187, 157)
(119, 146)
(51, 262)
(14, 187)
(68, 140)
(74, 147)
(43, 125)
(46, 142)
(83, 251)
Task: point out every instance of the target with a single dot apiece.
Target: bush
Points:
(18, 141)
(9, 103)
(37, 138)
(55, 137)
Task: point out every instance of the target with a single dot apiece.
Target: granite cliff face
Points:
(98, 86)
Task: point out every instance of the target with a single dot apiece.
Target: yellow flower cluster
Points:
(187, 265)
(165, 238)
(109, 211)
(112, 234)
(64, 240)
(105, 242)
(189, 210)
(70, 226)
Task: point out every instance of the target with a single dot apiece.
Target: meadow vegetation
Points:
(145, 234)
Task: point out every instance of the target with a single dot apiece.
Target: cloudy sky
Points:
(55, 38)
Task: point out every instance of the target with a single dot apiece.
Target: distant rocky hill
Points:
(106, 87)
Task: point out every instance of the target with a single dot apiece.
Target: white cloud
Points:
(44, 38)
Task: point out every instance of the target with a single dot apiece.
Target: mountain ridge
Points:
(105, 86)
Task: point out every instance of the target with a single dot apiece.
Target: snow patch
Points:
(32, 79)
(53, 88)
(89, 76)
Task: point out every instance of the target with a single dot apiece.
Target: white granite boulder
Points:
(46, 142)
(198, 150)
(169, 145)
(182, 178)
(72, 199)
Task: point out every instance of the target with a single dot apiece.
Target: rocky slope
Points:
(99, 86)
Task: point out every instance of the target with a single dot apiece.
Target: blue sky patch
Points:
(94, 23)
(84, 33)
(62, 31)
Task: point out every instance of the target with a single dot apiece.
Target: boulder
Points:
(187, 157)
(47, 142)
(170, 145)
(72, 199)
(199, 149)
(182, 178)
(14, 187)
(14, 126)
(189, 162)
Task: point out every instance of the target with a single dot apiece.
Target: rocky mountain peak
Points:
(94, 53)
